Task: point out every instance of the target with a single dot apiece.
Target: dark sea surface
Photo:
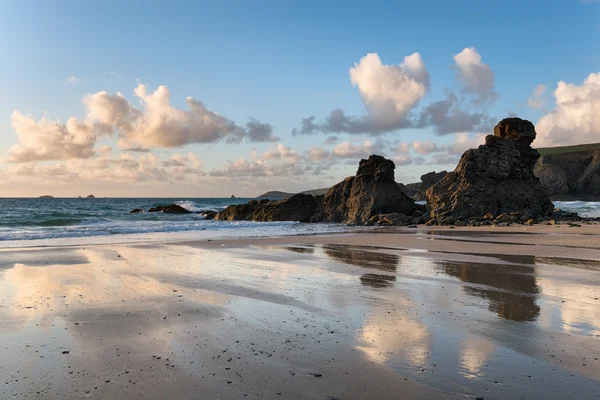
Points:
(44, 219)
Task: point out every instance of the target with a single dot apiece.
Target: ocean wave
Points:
(194, 228)
(60, 222)
(195, 207)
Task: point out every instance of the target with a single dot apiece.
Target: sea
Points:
(33, 222)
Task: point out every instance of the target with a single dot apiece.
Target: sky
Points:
(213, 99)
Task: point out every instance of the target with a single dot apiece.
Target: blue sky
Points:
(280, 62)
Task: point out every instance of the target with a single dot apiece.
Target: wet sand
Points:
(504, 313)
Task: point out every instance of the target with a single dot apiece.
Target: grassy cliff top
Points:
(568, 149)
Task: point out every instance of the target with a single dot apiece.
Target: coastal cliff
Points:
(570, 175)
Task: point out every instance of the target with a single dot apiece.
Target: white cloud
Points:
(576, 116)
(49, 140)
(388, 92)
(349, 150)
(73, 80)
(424, 147)
(317, 154)
(157, 125)
(162, 125)
(476, 77)
(280, 152)
(537, 99)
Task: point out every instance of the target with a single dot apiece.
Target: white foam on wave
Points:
(195, 207)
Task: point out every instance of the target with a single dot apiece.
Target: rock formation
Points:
(355, 200)
(209, 214)
(497, 178)
(571, 175)
(418, 190)
(170, 209)
(371, 191)
(299, 207)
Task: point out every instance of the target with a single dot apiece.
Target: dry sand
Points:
(498, 313)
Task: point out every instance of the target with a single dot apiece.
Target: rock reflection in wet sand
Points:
(436, 334)
(510, 290)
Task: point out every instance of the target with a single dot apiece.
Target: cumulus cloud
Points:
(475, 76)
(447, 116)
(260, 132)
(49, 140)
(537, 99)
(575, 118)
(111, 111)
(73, 80)
(157, 125)
(424, 147)
(162, 125)
(347, 149)
(280, 152)
(317, 154)
(391, 92)
(388, 93)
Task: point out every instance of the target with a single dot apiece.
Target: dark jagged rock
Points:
(371, 191)
(429, 179)
(209, 214)
(299, 207)
(497, 178)
(553, 178)
(418, 190)
(517, 129)
(90, 196)
(136, 210)
(392, 219)
(572, 175)
(170, 209)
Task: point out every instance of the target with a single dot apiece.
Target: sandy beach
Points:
(465, 313)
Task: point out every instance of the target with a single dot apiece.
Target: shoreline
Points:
(550, 232)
